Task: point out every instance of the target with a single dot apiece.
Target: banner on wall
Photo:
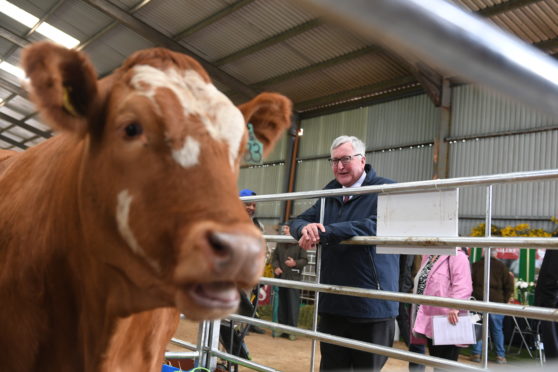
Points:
(507, 253)
(264, 295)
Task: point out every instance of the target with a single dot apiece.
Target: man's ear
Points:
(270, 116)
(63, 85)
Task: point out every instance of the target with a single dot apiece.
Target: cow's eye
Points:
(133, 130)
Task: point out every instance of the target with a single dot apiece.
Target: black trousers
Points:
(289, 306)
(549, 336)
(338, 358)
(450, 352)
(403, 321)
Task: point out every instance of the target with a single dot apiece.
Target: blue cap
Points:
(247, 192)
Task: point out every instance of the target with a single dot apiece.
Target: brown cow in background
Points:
(132, 208)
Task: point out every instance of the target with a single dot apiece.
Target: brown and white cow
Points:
(132, 208)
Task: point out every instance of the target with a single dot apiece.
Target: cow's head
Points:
(161, 153)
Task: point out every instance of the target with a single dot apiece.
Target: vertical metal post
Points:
(440, 151)
(317, 294)
(202, 340)
(212, 343)
(486, 281)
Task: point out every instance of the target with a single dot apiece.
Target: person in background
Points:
(546, 295)
(248, 307)
(405, 286)
(251, 208)
(441, 276)
(363, 319)
(409, 266)
(288, 260)
(501, 290)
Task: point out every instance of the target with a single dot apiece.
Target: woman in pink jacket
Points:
(441, 276)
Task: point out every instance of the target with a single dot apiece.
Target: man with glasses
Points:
(358, 318)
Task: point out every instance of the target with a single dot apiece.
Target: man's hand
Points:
(311, 231)
(290, 262)
(310, 235)
(278, 271)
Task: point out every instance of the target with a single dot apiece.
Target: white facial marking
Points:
(189, 154)
(124, 200)
(222, 119)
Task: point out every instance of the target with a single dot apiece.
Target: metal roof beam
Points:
(25, 126)
(212, 18)
(12, 142)
(162, 40)
(294, 31)
(13, 38)
(318, 66)
(358, 92)
(426, 75)
(547, 44)
(45, 16)
(11, 87)
(504, 7)
(407, 91)
(109, 27)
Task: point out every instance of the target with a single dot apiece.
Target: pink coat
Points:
(450, 277)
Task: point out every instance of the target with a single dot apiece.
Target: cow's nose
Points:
(232, 251)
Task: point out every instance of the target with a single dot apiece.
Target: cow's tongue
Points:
(216, 294)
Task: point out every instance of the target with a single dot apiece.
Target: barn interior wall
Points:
(399, 136)
(476, 112)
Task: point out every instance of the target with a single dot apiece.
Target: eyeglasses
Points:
(345, 160)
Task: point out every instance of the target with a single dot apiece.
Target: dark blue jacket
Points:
(352, 265)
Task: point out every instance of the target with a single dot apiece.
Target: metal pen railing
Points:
(211, 351)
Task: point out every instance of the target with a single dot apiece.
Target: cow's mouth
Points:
(215, 295)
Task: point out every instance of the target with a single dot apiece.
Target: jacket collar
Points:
(370, 175)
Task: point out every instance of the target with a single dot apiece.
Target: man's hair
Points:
(358, 145)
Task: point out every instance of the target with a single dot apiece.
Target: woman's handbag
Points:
(477, 322)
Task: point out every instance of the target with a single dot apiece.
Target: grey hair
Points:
(358, 145)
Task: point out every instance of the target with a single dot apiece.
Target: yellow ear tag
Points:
(67, 103)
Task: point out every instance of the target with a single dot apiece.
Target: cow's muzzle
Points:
(220, 264)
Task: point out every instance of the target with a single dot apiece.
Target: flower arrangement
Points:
(522, 229)
(523, 291)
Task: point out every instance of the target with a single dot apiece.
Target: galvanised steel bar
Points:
(493, 307)
(439, 184)
(359, 345)
(185, 344)
(181, 355)
(486, 278)
(457, 41)
(439, 242)
(318, 269)
(241, 361)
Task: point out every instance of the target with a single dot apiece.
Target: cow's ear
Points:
(63, 84)
(270, 115)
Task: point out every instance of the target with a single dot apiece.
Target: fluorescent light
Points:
(44, 28)
(56, 35)
(18, 14)
(14, 70)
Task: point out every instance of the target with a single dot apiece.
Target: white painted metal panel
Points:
(432, 213)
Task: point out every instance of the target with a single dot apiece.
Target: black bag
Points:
(478, 324)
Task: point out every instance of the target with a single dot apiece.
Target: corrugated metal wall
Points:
(392, 131)
(396, 127)
(476, 112)
(403, 122)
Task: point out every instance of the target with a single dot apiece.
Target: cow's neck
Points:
(72, 309)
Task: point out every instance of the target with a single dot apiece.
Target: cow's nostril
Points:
(219, 244)
(231, 253)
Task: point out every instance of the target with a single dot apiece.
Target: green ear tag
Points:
(254, 148)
